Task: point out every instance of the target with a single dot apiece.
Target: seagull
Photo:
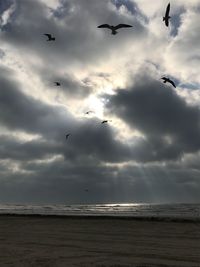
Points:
(165, 80)
(57, 83)
(167, 17)
(114, 28)
(88, 112)
(50, 38)
(105, 121)
(67, 136)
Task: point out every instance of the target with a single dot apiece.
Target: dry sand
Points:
(53, 241)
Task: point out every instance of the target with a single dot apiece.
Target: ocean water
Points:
(151, 211)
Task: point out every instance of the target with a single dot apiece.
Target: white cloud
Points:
(182, 57)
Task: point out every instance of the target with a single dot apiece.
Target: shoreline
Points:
(107, 217)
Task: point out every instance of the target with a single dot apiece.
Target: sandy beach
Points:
(53, 241)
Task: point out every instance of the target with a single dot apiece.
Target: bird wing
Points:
(122, 26)
(48, 35)
(104, 26)
(172, 83)
(164, 79)
(167, 10)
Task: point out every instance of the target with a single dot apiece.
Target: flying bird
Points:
(67, 136)
(50, 38)
(165, 80)
(114, 28)
(105, 121)
(57, 83)
(88, 112)
(167, 17)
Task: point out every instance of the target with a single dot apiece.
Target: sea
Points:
(184, 212)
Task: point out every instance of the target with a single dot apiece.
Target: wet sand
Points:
(62, 242)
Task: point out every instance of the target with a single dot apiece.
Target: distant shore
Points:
(109, 217)
(97, 241)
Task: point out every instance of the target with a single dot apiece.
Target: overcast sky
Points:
(149, 151)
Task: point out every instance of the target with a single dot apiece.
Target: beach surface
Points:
(73, 241)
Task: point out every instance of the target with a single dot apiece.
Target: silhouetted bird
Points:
(88, 112)
(165, 80)
(57, 83)
(50, 38)
(86, 190)
(67, 136)
(167, 17)
(105, 121)
(114, 28)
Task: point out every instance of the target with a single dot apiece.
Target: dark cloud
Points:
(69, 85)
(169, 124)
(95, 140)
(21, 112)
(20, 150)
(61, 182)
(5, 5)
(37, 163)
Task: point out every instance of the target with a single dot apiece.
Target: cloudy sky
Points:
(149, 151)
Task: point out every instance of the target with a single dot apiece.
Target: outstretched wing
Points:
(123, 26)
(167, 10)
(104, 26)
(172, 83)
(67, 136)
(48, 35)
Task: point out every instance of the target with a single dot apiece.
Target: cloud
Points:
(76, 42)
(148, 152)
(66, 183)
(69, 85)
(6, 10)
(160, 114)
(182, 53)
(22, 112)
(18, 150)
